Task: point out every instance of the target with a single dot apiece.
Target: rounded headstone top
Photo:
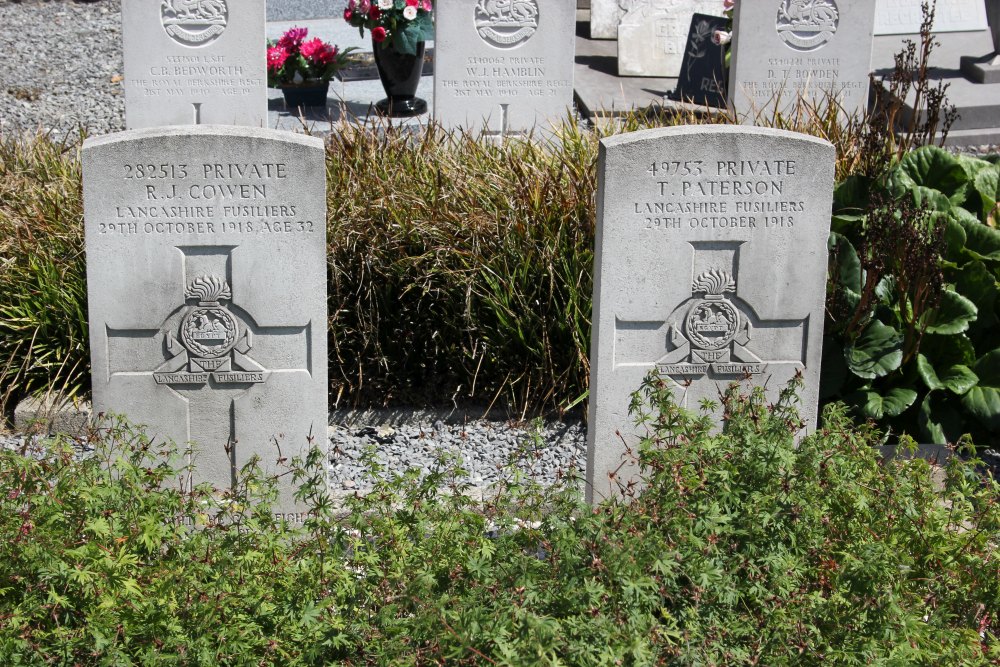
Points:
(710, 130)
(183, 131)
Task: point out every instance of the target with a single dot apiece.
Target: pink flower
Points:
(727, 5)
(318, 52)
(720, 37)
(364, 6)
(348, 14)
(378, 34)
(276, 57)
(292, 39)
(426, 6)
(413, 3)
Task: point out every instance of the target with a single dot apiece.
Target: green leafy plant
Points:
(745, 547)
(915, 265)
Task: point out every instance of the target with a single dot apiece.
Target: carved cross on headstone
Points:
(207, 355)
(711, 339)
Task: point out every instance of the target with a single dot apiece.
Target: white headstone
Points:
(604, 18)
(503, 67)
(194, 62)
(793, 55)
(897, 17)
(653, 33)
(206, 272)
(710, 266)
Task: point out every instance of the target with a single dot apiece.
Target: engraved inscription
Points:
(506, 24)
(505, 77)
(206, 199)
(807, 25)
(194, 22)
(689, 195)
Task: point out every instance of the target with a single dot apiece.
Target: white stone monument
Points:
(793, 56)
(194, 62)
(206, 275)
(503, 67)
(898, 17)
(652, 35)
(710, 266)
(605, 16)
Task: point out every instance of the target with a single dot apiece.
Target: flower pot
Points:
(307, 94)
(400, 76)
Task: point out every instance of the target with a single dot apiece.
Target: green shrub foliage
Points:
(463, 272)
(742, 549)
(915, 267)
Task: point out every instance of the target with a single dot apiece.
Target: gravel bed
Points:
(486, 448)
(404, 439)
(62, 66)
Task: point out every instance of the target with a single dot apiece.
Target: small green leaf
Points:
(939, 422)
(983, 400)
(978, 284)
(930, 169)
(876, 353)
(981, 242)
(854, 192)
(987, 185)
(848, 265)
(876, 406)
(956, 378)
(953, 314)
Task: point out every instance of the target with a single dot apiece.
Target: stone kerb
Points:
(710, 267)
(194, 62)
(206, 272)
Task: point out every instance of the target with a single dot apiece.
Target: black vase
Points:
(400, 75)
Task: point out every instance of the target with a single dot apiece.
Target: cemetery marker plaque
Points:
(206, 271)
(702, 78)
(503, 67)
(790, 55)
(710, 267)
(194, 62)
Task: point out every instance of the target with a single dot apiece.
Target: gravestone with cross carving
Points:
(206, 271)
(194, 62)
(503, 67)
(710, 269)
(797, 57)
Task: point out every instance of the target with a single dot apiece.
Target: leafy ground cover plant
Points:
(742, 549)
(915, 270)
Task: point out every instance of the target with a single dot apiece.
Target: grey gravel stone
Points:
(62, 66)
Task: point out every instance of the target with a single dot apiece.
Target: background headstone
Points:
(702, 79)
(898, 17)
(503, 67)
(605, 16)
(653, 33)
(710, 265)
(784, 51)
(206, 276)
(194, 62)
